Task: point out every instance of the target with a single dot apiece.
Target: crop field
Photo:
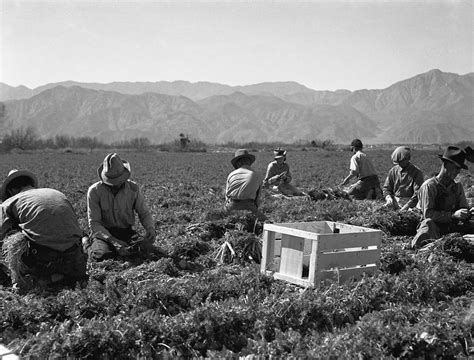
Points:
(200, 300)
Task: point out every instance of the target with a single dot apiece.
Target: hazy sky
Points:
(323, 45)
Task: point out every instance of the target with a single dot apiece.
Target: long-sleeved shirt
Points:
(361, 165)
(45, 216)
(438, 202)
(273, 170)
(243, 184)
(403, 183)
(106, 210)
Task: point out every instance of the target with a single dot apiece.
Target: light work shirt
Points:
(243, 184)
(273, 170)
(361, 165)
(44, 215)
(106, 210)
(403, 183)
(438, 202)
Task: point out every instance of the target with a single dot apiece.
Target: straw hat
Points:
(454, 155)
(242, 153)
(12, 175)
(114, 171)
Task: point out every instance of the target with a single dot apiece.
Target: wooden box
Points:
(307, 253)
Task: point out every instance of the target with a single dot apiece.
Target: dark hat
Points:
(401, 153)
(114, 171)
(356, 143)
(242, 153)
(12, 175)
(279, 153)
(454, 155)
(469, 154)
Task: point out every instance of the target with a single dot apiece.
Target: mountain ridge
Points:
(427, 108)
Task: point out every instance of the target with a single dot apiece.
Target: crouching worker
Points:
(403, 181)
(41, 235)
(243, 185)
(442, 201)
(112, 204)
(279, 177)
(368, 185)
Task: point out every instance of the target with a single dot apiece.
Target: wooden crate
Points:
(326, 249)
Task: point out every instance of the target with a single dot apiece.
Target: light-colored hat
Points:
(454, 155)
(279, 153)
(12, 175)
(114, 171)
(242, 153)
(401, 153)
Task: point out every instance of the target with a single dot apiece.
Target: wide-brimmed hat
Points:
(114, 171)
(401, 153)
(279, 153)
(12, 175)
(242, 153)
(454, 155)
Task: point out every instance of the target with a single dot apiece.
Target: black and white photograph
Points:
(236, 179)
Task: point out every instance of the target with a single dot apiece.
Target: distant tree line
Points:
(28, 139)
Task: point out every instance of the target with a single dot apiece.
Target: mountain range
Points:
(433, 107)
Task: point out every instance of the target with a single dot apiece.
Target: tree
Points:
(184, 141)
(21, 138)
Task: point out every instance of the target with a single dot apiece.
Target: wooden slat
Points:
(291, 262)
(347, 259)
(289, 231)
(346, 228)
(342, 241)
(291, 279)
(268, 252)
(346, 274)
(314, 273)
(7, 354)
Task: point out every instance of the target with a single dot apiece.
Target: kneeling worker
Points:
(112, 204)
(41, 234)
(243, 184)
(443, 202)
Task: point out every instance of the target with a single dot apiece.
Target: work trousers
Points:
(428, 230)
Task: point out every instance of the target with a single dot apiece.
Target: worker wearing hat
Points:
(40, 233)
(112, 203)
(278, 175)
(368, 185)
(243, 184)
(403, 181)
(443, 202)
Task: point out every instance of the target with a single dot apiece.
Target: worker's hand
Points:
(150, 235)
(461, 214)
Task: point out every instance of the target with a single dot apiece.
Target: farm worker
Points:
(368, 185)
(112, 204)
(278, 175)
(442, 201)
(243, 184)
(41, 234)
(403, 181)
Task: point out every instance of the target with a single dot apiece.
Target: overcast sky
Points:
(323, 45)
